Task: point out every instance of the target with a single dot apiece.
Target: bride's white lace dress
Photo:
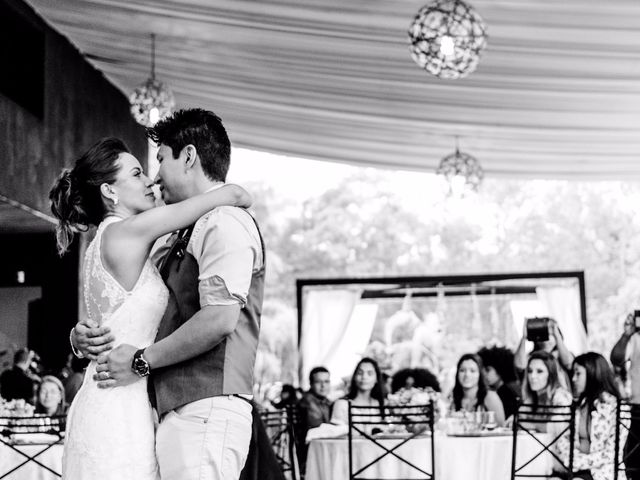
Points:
(110, 432)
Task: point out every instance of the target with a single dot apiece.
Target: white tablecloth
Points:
(457, 458)
(9, 459)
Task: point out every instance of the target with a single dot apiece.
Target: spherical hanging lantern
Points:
(462, 171)
(446, 38)
(152, 100)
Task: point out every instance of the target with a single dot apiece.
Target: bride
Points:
(110, 432)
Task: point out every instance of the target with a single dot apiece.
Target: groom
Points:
(201, 365)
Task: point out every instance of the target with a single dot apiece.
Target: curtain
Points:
(563, 304)
(333, 330)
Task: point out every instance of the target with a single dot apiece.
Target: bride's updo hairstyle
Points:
(75, 197)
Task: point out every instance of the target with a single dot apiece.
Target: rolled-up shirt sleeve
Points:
(226, 247)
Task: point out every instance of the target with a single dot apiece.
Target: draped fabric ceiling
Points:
(556, 94)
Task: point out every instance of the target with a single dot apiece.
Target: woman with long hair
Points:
(594, 387)
(110, 432)
(541, 384)
(365, 390)
(470, 393)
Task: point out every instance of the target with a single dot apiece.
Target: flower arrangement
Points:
(18, 417)
(15, 408)
(410, 398)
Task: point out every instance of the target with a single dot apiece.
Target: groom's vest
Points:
(227, 368)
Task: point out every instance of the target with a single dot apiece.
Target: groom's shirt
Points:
(226, 244)
(222, 264)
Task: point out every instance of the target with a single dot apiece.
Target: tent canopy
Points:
(556, 94)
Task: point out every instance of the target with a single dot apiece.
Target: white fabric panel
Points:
(325, 321)
(563, 304)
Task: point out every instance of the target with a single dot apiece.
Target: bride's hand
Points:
(239, 196)
(91, 340)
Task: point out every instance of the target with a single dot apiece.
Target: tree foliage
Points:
(361, 227)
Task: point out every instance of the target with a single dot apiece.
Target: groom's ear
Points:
(190, 156)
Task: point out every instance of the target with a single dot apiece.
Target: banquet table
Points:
(457, 457)
(52, 458)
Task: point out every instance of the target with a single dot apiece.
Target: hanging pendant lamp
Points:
(152, 100)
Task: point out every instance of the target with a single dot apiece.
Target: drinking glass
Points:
(489, 420)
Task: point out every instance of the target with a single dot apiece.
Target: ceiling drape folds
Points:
(556, 93)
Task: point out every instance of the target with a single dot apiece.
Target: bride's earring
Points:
(115, 200)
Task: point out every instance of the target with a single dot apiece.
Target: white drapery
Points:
(335, 331)
(555, 94)
(560, 302)
(563, 304)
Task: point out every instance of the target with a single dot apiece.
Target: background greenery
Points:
(363, 227)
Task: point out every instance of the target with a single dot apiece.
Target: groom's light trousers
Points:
(205, 440)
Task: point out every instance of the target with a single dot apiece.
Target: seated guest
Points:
(554, 345)
(314, 407)
(595, 388)
(500, 376)
(414, 378)
(50, 398)
(470, 392)
(541, 384)
(365, 390)
(19, 382)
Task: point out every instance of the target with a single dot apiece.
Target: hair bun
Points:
(66, 206)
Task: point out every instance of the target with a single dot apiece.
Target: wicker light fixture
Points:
(152, 100)
(461, 170)
(446, 38)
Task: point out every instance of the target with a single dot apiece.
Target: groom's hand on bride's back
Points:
(92, 341)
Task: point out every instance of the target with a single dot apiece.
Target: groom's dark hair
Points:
(202, 129)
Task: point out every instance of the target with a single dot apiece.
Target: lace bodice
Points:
(104, 296)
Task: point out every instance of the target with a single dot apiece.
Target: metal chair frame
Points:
(38, 424)
(627, 414)
(414, 416)
(279, 427)
(528, 414)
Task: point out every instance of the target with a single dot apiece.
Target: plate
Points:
(489, 433)
(34, 438)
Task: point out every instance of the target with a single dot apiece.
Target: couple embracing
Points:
(184, 317)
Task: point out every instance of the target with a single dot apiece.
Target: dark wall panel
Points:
(51, 317)
(80, 107)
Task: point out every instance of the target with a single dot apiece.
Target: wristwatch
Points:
(139, 364)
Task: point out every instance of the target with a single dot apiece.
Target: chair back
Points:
(627, 440)
(546, 426)
(390, 428)
(17, 430)
(279, 425)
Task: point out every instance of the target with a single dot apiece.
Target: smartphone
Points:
(636, 319)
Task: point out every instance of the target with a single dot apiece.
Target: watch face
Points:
(141, 366)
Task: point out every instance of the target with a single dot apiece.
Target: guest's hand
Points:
(91, 341)
(114, 369)
(629, 325)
